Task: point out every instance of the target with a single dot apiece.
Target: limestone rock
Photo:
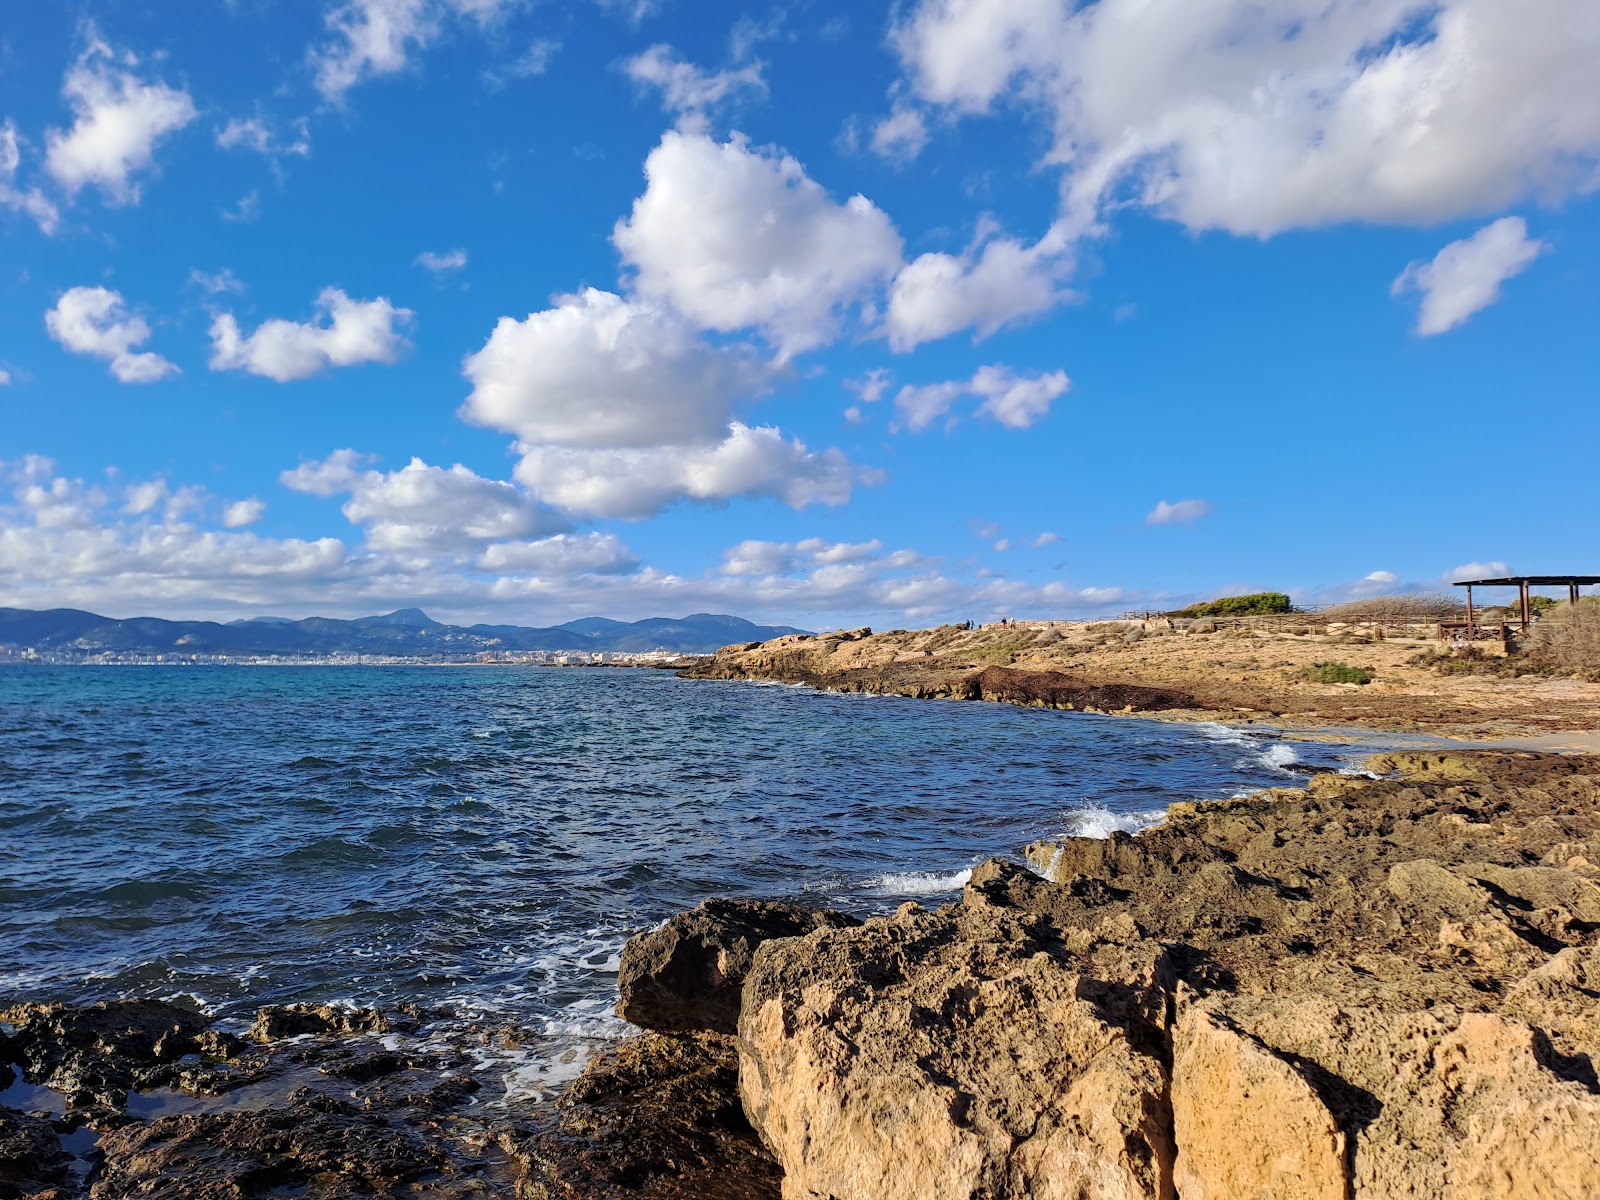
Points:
(1247, 1122)
(951, 1056)
(299, 1020)
(685, 976)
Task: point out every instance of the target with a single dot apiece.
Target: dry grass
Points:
(1567, 640)
(1415, 607)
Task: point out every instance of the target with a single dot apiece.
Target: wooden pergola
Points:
(1524, 583)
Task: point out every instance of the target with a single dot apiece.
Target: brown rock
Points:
(685, 976)
(299, 1020)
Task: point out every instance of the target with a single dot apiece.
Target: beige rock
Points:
(1247, 1123)
(953, 1057)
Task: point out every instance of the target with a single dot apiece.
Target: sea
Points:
(481, 841)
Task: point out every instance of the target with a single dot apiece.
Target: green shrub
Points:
(1258, 604)
(1338, 672)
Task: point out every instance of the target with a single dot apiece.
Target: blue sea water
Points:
(485, 839)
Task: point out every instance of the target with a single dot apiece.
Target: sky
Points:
(820, 313)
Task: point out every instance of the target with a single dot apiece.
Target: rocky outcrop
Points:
(686, 976)
(1372, 987)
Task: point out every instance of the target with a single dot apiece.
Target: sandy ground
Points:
(1247, 673)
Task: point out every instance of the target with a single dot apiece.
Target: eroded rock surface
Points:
(1372, 987)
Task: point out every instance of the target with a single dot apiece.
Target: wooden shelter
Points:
(1524, 584)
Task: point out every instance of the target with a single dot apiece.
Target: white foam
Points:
(1225, 734)
(1280, 756)
(1098, 821)
(918, 883)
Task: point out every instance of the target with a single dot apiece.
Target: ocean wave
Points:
(917, 883)
(1098, 821)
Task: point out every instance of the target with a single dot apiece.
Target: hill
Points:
(408, 632)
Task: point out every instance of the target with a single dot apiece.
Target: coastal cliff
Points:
(1371, 987)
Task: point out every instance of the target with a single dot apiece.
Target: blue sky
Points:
(813, 312)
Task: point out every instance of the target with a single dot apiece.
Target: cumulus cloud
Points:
(243, 512)
(1256, 119)
(686, 88)
(93, 321)
(597, 371)
(445, 262)
(996, 282)
(1015, 400)
(1465, 276)
(636, 483)
(421, 507)
(735, 237)
(1181, 512)
(30, 201)
(345, 333)
(377, 37)
(118, 120)
(1494, 569)
(1381, 578)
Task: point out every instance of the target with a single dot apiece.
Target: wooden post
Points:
(1524, 607)
(1469, 612)
(1572, 594)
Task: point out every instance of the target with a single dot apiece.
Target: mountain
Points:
(409, 632)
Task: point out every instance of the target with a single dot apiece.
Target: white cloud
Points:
(1016, 401)
(736, 238)
(246, 210)
(597, 371)
(1480, 570)
(371, 37)
(93, 321)
(118, 120)
(442, 263)
(31, 200)
(145, 497)
(5, 377)
(997, 282)
(920, 407)
(900, 136)
(356, 331)
(872, 386)
(1182, 512)
(421, 507)
(217, 283)
(562, 554)
(1465, 276)
(261, 135)
(1257, 119)
(1382, 578)
(376, 37)
(1047, 538)
(634, 483)
(243, 512)
(684, 87)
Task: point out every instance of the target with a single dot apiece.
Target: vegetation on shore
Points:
(1256, 604)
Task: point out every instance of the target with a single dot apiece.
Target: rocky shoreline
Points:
(1370, 987)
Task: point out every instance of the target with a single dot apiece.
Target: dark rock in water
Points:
(685, 976)
(95, 1053)
(32, 1160)
(297, 1020)
(659, 1118)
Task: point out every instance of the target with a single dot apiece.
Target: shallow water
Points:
(485, 839)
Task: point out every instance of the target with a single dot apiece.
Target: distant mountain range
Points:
(408, 632)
